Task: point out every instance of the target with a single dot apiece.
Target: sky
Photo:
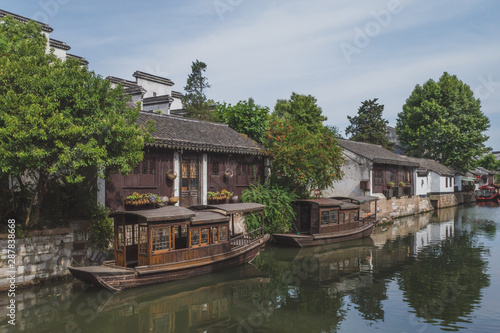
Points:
(341, 52)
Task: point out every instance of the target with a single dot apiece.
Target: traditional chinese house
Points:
(189, 159)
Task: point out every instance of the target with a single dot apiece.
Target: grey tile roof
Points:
(123, 82)
(157, 100)
(376, 153)
(153, 78)
(58, 44)
(176, 94)
(180, 133)
(81, 59)
(431, 165)
(45, 27)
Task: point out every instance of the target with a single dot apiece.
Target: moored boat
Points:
(172, 243)
(488, 193)
(324, 221)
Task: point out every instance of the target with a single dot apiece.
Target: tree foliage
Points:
(195, 100)
(369, 126)
(301, 110)
(303, 159)
(246, 117)
(278, 213)
(488, 161)
(57, 119)
(444, 122)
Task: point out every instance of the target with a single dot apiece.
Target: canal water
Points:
(433, 272)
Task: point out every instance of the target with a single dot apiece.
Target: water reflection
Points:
(430, 269)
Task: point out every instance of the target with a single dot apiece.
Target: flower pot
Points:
(173, 200)
(234, 199)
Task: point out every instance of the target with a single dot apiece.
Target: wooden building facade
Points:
(188, 159)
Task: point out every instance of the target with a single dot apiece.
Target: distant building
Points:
(59, 48)
(153, 92)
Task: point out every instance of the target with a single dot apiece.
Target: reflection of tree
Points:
(369, 300)
(446, 279)
(293, 295)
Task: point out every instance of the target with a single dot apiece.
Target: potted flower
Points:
(142, 201)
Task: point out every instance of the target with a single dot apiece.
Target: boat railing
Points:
(246, 238)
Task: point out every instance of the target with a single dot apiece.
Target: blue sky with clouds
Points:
(342, 52)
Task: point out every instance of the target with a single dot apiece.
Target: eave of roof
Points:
(173, 132)
(153, 78)
(375, 153)
(58, 44)
(45, 27)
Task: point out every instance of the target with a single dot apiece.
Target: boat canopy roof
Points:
(489, 187)
(361, 198)
(233, 208)
(208, 217)
(167, 213)
(322, 202)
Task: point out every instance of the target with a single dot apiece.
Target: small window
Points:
(129, 237)
(215, 234)
(204, 236)
(161, 239)
(119, 239)
(143, 239)
(333, 216)
(354, 216)
(341, 217)
(223, 233)
(195, 238)
(325, 217)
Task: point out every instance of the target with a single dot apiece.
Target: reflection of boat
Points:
(172, 243)
(488, 193)
(323, 221)
(200, 304)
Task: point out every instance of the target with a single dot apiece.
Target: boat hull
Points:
(118, 278)
(303, 240)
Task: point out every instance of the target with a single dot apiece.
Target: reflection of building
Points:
(433, 233)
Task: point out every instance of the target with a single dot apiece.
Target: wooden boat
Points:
(172, 243)
(324, 221)
(488, 193)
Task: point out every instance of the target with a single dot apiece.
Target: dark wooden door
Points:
(190, 180)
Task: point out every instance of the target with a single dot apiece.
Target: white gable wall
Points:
(356, 169)
(154, 87)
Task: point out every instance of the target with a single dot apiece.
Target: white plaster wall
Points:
(163, 108)
(176, 104)
(61, 54)
(177, 181)
(458, 182)
(355, 169)
(204, 180)
(438, 183)
(153, 87)
(422, 185)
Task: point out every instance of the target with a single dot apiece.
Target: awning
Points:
(468, 179)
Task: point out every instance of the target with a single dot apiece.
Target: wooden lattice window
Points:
(204, 236)
(223, 233)
(129, 236)
(215, 168)
(195, 238)
(143, 239)
(161, 239)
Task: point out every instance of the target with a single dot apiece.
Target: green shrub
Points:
(101, 227)
(278, 213)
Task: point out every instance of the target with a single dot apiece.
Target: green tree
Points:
(369, 126)
(488, 161)
(57, 119)
(444, 122)
(303, 159)
(246, 117)
(195, 101)
(301, 110)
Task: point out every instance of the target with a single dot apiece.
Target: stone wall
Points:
(446, 200)
(392, 208)
(47, 254)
